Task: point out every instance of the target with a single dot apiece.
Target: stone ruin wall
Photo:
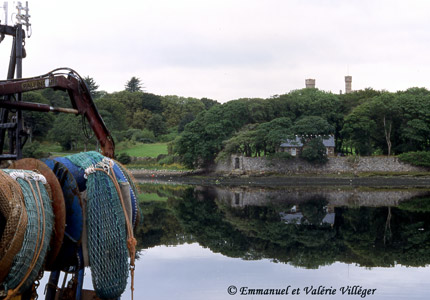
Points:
(335, 165)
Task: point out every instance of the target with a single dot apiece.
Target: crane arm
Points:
(79, 94)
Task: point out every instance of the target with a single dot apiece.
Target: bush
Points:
(166, 159)
(167, 137)
(135, 135)
(143, 136)
(124, 158)
(418, 158)
(416, 205)
(280, 156)
(33, 150)
(315, 152)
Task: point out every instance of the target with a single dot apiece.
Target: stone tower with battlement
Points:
(310, 83)
(348, 84)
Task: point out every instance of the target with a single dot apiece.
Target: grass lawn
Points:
(151, 197)
(56, 150)
(146, 150)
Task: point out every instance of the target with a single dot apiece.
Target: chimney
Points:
(310, 83)
(348, 84)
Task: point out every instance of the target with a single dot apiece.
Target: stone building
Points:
(295, 146)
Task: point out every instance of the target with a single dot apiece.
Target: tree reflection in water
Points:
(309, 231)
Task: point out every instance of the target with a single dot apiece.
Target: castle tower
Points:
(348, 84)
(310, 83)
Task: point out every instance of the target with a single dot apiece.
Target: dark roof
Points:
(292, 143)
(298, 218)
(297, 143)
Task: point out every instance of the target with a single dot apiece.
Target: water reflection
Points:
(304, 228)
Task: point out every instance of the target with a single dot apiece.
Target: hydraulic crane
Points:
(59, 79)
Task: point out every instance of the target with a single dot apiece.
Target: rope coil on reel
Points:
(109, 229)
(94, 208)
(29, 260)
(13, 210)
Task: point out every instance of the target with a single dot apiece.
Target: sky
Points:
(230, 49)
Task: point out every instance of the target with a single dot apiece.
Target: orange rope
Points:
(39, 246)
(131, 240)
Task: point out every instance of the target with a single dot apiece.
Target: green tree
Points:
(141, 119)
(259, 111)
(202, 139)
(115, 113)
(122, 107)
(151, 102)
(414, 106)
(33, 150)
(373, 124)
(312, 125)
(209, 103)
(315, 151)
(157, 125)
(189, 117)
(416, 133)
(134, 85)
(243, 142)
(92, 87)
(312, 102)
(357, 130)
(57, 98)
(38, 124)
(385, 112)
(270, 135)
(176, 108)
(67, 131)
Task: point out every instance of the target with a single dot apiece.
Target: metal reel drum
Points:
(67, 258)
(58, 204)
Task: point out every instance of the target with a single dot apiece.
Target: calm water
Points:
(204, 242)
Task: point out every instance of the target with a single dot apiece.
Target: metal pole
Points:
(19, 120)
(12, 61)
(4, 111)
(51, 287)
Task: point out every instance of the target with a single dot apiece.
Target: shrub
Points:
(418, 158)
(135, 135)
(166, 159)
(124, 158)
(280, 156)
(416, 205)
(143, 136)
(33, 150)
(315, 152)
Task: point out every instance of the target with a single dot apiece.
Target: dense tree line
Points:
(364, 122)
(131, 114)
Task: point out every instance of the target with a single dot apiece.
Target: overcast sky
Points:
(230, 49)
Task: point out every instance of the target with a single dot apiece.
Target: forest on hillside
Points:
(364, 122)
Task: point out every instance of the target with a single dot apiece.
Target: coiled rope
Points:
(28, 262)
(107, 167)
(13, 209)
(108, 239)
(133, 193)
